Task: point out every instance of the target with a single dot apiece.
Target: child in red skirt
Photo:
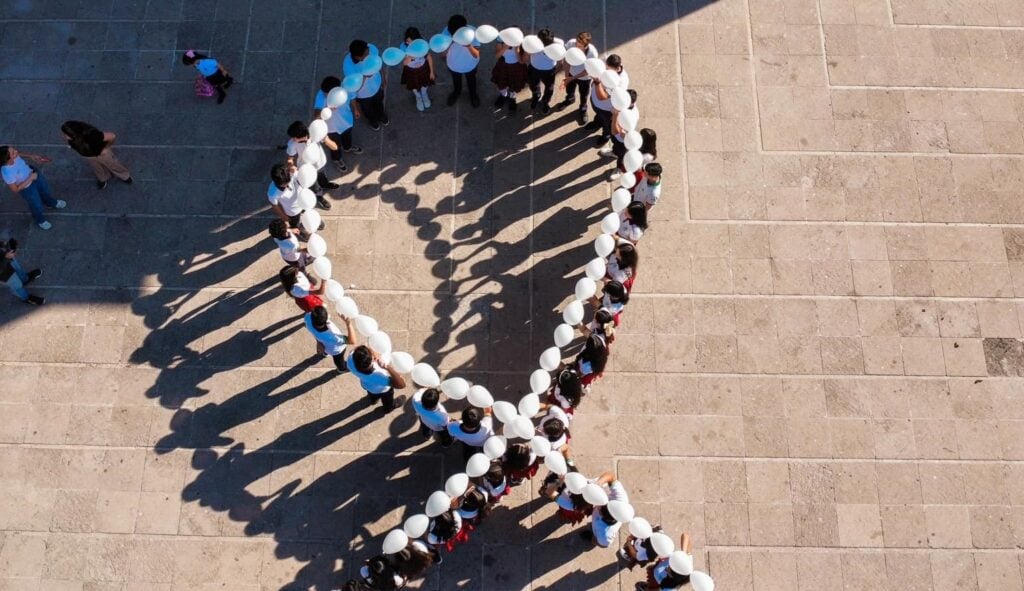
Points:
(446, 531)
(417, 72)
(520, 463)
(473, 507)
(509, 75)
(494, 483)
(567, 391)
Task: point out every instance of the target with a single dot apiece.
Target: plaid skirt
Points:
(416, 78)
(511, 76)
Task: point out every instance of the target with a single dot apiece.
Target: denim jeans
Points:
(37, 195)
(16, 282)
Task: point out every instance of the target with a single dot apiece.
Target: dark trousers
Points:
(578, 86)
(220, 83)
(343, 140)
(604, 119)
(536, 78)
(373, 108)
(339, 362)
(443, 437)
(387, 399)
(619, 150)
(469, 450)
(457, 82)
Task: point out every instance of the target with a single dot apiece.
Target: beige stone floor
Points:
(819, 376)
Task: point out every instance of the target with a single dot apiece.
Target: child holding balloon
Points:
(329, 339)
(622, 264)
(379, 379)
(509, 74)
(363, 60)
(618, 148)
(648, 190)
(672, 571)
(339, 118)
(576, 79)
(542, 70)
(417, 72)
(633, 222)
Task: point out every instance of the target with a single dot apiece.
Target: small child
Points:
(473, 430)
(648, 190)
(649, 151)
(473, 507)
(567, 391)
(542, 70)
(494, 483)
(593, 359)
(618, 148)
(446, 531)
(339, 125)
(622, 264)
(554, 427)
(633, 222)
(211, 70)
(604, 528)
(417, 72)
(519, 463)
(576, 80)
(288, 243)
(509, 75)
(295, 283)
(433, 416)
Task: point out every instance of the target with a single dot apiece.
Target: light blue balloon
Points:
(371, 65)
(352, 82)
(393, 56)
(439, 43)
(418, 48)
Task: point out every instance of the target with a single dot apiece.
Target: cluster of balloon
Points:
(517, 419)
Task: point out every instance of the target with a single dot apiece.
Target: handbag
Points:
(203, 88)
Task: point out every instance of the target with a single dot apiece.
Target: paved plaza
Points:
(820, 375)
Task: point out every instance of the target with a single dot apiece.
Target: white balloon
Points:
(317, 132)
(594, 494)
(393, 56)
(633, 140)
(418, 48)
(610, 79)
(622, 511)
(610, 223)
(505, 411)
(334, 291)
(306, 200)
(456, 484)
(336, 97)
(629, 119)
(437, 503)
(371, 65)
(555, 51)
(347, 307)
(352, 82)
(480, 397)
(540, 381)
(455, 388)
(680, 562)
(632, 161)
(540, 446)
(596, 268)
(402, 362)
(313, 155)
(627, 181)
(620, 98)
(594, 67)
(464, 36)
(640, 528)
(529, 405)
(575, 56)
(486, 33)
(326, 114)
(495, 447)
(380, 342)
(316, 245)
(523, 428)
(550, 358)
(555, 462)
(322, 267)
(564, 334)
(512, 36)
(395, 541)
(306, 176)
(662, 544)
(573, 313)
(532, 44)
(604, 245)
(701, 581)
(575, 482)
(366, 325)
(620, 199)
(311, 221)
(439, 43)
(424, 375)
(416, 525)
(478, 465)
(585, 288)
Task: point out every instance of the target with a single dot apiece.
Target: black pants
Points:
(387, 399)
(339, 362)
(619, 150)
(457, 82)
(343, 140)
(536, 78)
(373, 108)
(604, 119)
(443, 436)
(220, 83)
(469, 450)
(578, 86)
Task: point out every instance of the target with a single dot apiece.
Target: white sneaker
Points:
(606, 152)
(61, 204)
(426, 101)
(46, 225)
(419, 103)
(615, 175)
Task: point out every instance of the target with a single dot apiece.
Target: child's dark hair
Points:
(289, 276)
(471, 417)
(649, 144)
(358, 47)
(297, 130)
(632, 96)
(580, 504)
(637, 214)
(456, 22)
(190, 57)
(444, 526)
(554, 429)
(653, 169)
(329, 83)
(617, 293)
(411, 561)
(281, 175)
(628, 256)
(613, 61)
(278, 229)
(517, 456)
(430, 398)
(382, 575)
(5, 154)
(546, 36)
(570, 386)
(319, 316)
(595, 352)
(495, 475)
(473, 500)
(412, 33)
(584, 37)
(362, 358)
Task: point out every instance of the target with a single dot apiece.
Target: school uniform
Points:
(603, 107)
(587, 373)
(461, 63)
(542, 70)
(627, 229)
(433, 423)
(415, 74)
(517, 475)
(619, 142)
(605, 533)
(495, 492)
(660, 572)
(397, 582)
(472, 442)
(448, 544)
(332, 339)
(579, 85)
(296, 149)
(567, 511)
(471, 519)
(369, 96)
(556, 414)
(625, 276)
(377, 383)
(339, 126)
(291, 250)
(508, 72)
(646, 193)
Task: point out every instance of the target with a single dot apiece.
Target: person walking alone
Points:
(15, 277)
(28, 182)
(96, 147)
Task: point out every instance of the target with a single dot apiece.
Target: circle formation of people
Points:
(536, 430)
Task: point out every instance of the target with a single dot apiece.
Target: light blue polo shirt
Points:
(371, 84)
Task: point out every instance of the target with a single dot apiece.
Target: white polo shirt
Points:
(371, 84)
(16, 173)
(606, 104)
(302, 286)
(458, 57)
(620, 275)
(605, 534)
(378, 381)
(591, 52)
(629, 230)
(436, 419)
(287, 198)
(341, 117)
(331, 338)
(289, 248)
(541, 61)
(646, 193)
(473, 439)
(295, 149)
(436, 541)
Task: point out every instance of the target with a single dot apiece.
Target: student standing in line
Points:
(593, 359)
(417, 72)
(211, 70)
(622, 264)
(576, 79)
(288, 243)
(296, 284)
(618, 147)
(648, 151)
(494, 482)
(472, 430)
(413, 561)
(339, 125)
(462, 61)
(329, 339)
(28, 182)
(433, 416)
(380, 575)
(298, 143)
(601, 100)
(648, 190)
(369, 99)
(604, 528)
(519, 463)
(633, 222)
(379, 381)
(661, 575)
(95, 147)
(509, 74)
(542, 71)
(567, 391)
(284, 199)
(446, 531)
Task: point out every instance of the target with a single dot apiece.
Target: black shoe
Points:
(129, 181)
(601, 141)
(545, 108)
(33, 275)
(375, 127)
(323, 203)
(474, 100)
(593, 126)
(384, 120)
(499, 102)
(35, 300)
(512, 105)
(101, 184)
(330, 186)
(581, 118)
(452, 98)
(396, 403)
(564, 104)
(533, 103)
